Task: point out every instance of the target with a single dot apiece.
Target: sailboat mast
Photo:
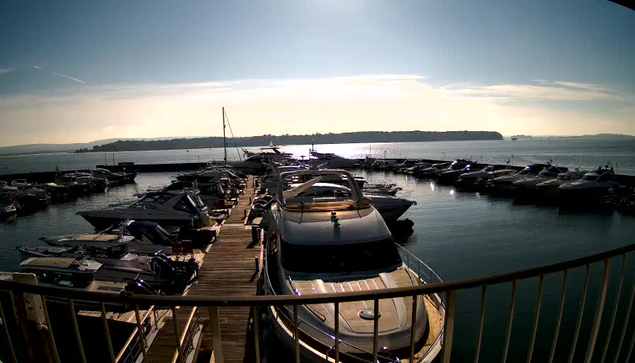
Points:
(224, 142)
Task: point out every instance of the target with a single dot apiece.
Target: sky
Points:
(78, 71)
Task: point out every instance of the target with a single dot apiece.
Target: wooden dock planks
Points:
(228, 269)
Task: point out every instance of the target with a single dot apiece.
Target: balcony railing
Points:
(612, 347)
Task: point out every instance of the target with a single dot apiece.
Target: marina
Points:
(400, 182)
(233, 266)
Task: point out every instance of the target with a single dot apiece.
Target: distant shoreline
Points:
(341, 138)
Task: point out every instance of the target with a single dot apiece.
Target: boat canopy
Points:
(294, 184)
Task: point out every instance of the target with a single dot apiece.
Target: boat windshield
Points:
(156, 198)
(590, 177)
(368, 256)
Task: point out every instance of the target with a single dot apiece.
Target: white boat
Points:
(473, 176)
(259, 162)
(332, 161)
(562, 178)
(530, 184)
(334, 243)
(390, 207)
(505, 183)
(593, 184)
(168, 208)
(7, 210)
(75, 273)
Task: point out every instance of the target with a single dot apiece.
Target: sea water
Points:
(460, 235)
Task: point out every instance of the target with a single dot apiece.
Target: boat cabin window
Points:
(338, 194)
(590, 177)
(368, 256)
(606, 177)
(157, 198)
(458, 164)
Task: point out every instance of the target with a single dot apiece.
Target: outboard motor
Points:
(162, 267)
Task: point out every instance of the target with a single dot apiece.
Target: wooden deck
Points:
(228, 269)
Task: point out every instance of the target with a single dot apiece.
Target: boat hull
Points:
(103, 221)
(280, 328)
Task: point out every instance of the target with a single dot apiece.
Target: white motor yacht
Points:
(593, 184)
(473, 176)
(506, 183)
(334, 242)
(168, 208)
(332, 161)
(531, 184)
(258, 162)
(562, 178)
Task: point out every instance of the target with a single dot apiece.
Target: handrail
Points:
(278, 300)
(185, 333)
(133, 334)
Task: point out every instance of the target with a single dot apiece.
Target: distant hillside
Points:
(349, 137)
(57, 148)
(609, 136)
(49, 148)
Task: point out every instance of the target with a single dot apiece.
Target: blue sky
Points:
(78, 70)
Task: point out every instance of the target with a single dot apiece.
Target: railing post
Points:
(296, 335)
(512, 308)
(630, 350)
(413, 325)
(618, 295)
(111, 352)
(627, 319)
(337, 331)
(141, 332)
(541, 289)
(481, 324)
(5, 323)
(47, 319)
(256, 318)
(599, 311)
(449, 326)
(177, 335)
(580, 313)
(217, 342)
(78, 336)
(563, 296)
(375, 329)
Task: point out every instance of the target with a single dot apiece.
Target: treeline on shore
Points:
(348, 137)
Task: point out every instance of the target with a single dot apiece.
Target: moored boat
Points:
(327, 244)
(169, 208)
(593, 186)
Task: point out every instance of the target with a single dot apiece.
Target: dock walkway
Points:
(229, 268)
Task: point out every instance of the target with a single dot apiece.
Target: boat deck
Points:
(229, 268)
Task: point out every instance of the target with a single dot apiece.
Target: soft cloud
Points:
(4, 71)
(547, 90)
(337, 104)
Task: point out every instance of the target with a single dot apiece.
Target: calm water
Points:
(460, 235)
(583, 153)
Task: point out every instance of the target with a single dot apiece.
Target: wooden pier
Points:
(229, 268)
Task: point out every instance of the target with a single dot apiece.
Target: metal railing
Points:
(592, 349)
